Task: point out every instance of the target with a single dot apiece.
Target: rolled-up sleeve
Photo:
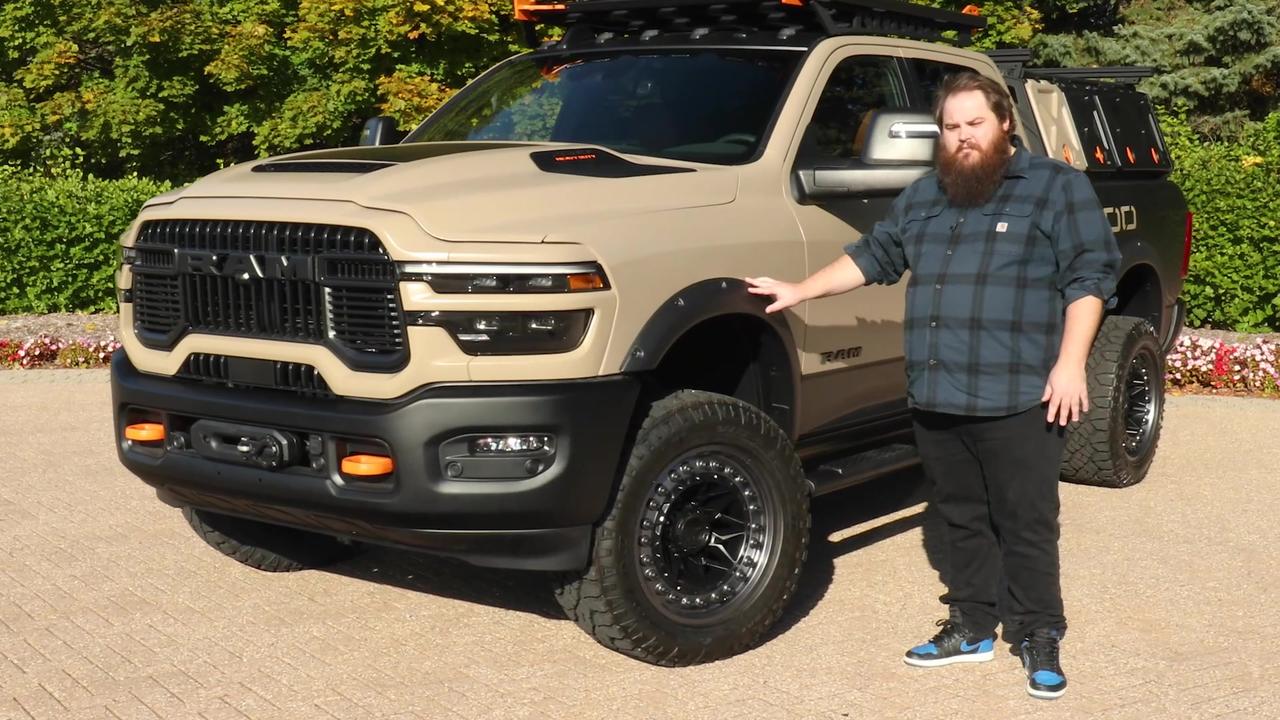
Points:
(1088, 258)
(878, 254)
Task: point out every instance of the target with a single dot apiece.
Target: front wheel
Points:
(704, 544)
(267, 547)
(1114, 443)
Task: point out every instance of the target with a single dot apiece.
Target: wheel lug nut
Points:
(660, 589)
(686, 602)
(661, 490)
(672, 597)
(644, 541)
(646, 524)
(654, 505)
(742, 574)
(646, 559)
(650, 574)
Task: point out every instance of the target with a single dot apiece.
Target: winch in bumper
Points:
(504, 475)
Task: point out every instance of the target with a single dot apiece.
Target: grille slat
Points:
(297, 377)
(351, 299)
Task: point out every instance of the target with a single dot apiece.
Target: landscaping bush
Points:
(58, 238)
(1232, 189)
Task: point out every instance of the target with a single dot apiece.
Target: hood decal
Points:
(594, 162)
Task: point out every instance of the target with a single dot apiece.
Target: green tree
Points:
(172, 88)
(1220, 60)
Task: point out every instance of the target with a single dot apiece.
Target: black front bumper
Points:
(541, 520)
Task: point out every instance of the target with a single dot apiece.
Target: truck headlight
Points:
(510, 333)
(452, 278)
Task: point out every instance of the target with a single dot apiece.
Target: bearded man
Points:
(1011, 262)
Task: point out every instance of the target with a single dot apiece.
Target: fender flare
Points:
(706, 300)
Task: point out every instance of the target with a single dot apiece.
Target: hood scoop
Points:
(594, 162)
(353, 167)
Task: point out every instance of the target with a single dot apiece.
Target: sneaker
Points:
(952, 644)
(1040, 659)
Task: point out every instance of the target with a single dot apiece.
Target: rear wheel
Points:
(706, 538)
(1115, 441)
(267, 547)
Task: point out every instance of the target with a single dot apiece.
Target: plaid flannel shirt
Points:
(989, 285)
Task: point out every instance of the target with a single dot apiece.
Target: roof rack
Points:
(1012, 64)
(595, 21)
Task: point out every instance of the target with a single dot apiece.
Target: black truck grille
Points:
(324, 284)
(246, 372)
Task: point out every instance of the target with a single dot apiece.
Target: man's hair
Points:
(997, 98)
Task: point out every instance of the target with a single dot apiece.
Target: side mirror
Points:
(898, 149)
(901, 138)
(380, 130)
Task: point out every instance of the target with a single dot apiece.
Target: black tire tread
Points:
(598, 603)
(1090, 457)
(265, 547)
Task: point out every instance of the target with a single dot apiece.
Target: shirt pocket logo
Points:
(1011, 229)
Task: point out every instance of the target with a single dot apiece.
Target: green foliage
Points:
(1221, 58)
(1009, 24)
(175, 88)
(58, 238)
(1232, 190)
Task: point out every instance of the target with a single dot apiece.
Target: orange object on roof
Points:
(972, 10)
(1129, 154)
(1066, 153)
(797, 3)
(1097, 152)
(1155, 156)
(525, 9)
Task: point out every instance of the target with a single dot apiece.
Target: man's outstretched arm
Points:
(840, 276)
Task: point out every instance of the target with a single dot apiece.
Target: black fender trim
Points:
(706, 300)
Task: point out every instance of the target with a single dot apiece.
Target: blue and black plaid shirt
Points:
(989, 285)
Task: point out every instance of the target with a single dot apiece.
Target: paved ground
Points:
(111, 608)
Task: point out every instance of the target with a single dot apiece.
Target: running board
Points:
(844, 472)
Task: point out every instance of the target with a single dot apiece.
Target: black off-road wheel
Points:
(1115, 441)
(271, 548)
(706, 538)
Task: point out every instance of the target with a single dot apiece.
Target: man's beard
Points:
(973, 183)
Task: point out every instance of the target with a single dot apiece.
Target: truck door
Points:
(852, 355)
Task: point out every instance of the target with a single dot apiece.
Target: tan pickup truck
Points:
(519, 337)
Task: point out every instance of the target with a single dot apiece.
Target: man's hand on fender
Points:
(784, 294)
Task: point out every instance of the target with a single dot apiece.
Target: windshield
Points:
(701, 105)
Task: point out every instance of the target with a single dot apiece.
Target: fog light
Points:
(367, 465)
(508, 444)
(147, 432)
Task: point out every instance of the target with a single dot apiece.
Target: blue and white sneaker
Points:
(952, 644)
(1040, 659)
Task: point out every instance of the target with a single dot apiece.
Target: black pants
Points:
(995, 483)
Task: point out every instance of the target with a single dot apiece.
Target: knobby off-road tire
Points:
(706, 538)
(1113, 444)
(271, 548)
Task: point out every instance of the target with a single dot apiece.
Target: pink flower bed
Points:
(1202, 363)
(48, 351)
(1196, 363)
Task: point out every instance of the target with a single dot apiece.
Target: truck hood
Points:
(471, 191)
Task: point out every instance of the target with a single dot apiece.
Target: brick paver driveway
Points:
(111, 608)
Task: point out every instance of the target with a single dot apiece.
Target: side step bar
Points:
(845, 472)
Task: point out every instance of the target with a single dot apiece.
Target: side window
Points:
(838, 127)
(930, 74)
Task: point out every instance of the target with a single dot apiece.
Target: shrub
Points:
(1231, 187)
(58, 238)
